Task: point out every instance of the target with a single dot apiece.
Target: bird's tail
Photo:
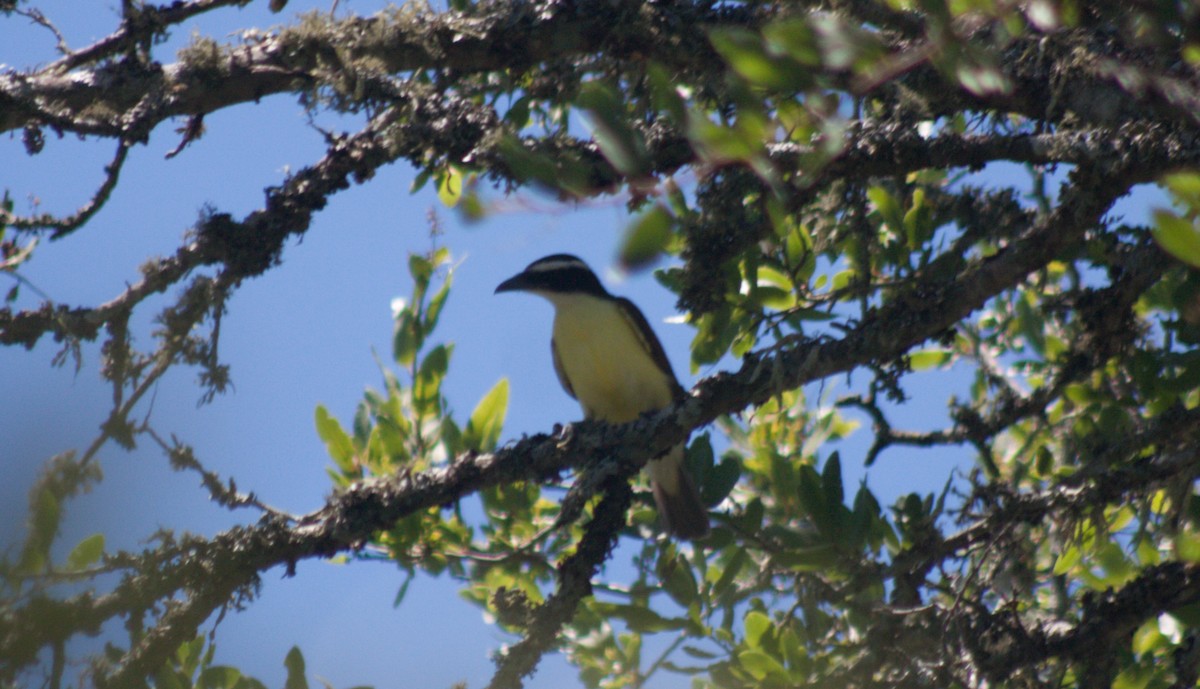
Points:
(679, 505)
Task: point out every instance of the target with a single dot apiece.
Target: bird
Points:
(608, 358)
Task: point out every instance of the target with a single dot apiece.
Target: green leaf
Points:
(729, 574)
(403, 591)
(664, 93)
(757, 623)
(646, 238)
(794, 37)
(815, 558)
(918, 221)
(527, 165)
(219, 677)
(888, 207)
(451, 436)
(747, 56)
(421, 269)
(433, 311)
(420, 181)
(428, 385)
(1187, 546)
(189, 655)
(337, 441)
(1148, 638)
(978, 74)
(518, 113)
(864, 517)
(811, 493)
(450, 185)
(1178, 237)
(1185, 186)
(929, 358)
(639, 617)
(1117, 567)
(1133, 677)
(45, 514)
(618, 141)
(831, 479)
(678, 580)
(483, 429)
(843, 44)
(714, 334)
(721, 478)
(166, 678)
(294, 662)
(718, 142)
(407, 338)
(773, 289)
(87, 552)
(699, 457)
(699, 653)
(761, 665)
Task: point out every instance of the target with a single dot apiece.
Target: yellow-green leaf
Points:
(1177, 237)
(483, 429)
(761, 665)
(337, 441)
(757, 623)
(888, 207)
(929, 358)
(1187, 546)
(450, 186)
(87, 552)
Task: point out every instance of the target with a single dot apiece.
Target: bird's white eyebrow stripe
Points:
(555, 265)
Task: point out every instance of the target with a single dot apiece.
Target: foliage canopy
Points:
(805, 165)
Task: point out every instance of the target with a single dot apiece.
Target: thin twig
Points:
(62, 226)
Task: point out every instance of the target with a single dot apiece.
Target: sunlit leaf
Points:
(926, 359)
(87, 552)
(1187, 546)
(761, 665)
(483, 429)
(450, 185)
(757, 623)
(337, 441)
(1178, 237)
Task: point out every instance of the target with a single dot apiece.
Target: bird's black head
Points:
(557, 273)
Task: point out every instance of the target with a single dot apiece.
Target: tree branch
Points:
(574, 584)
(508, 35)
(947, 295)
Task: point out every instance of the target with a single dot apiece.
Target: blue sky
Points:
(299, 336)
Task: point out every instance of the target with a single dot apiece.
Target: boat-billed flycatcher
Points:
(607, 357)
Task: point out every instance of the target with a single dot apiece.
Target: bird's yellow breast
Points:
(606, 363)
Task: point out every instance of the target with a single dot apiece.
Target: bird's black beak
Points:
(515, 283)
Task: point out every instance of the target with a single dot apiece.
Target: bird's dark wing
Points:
(558, 369)
(649, 341)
